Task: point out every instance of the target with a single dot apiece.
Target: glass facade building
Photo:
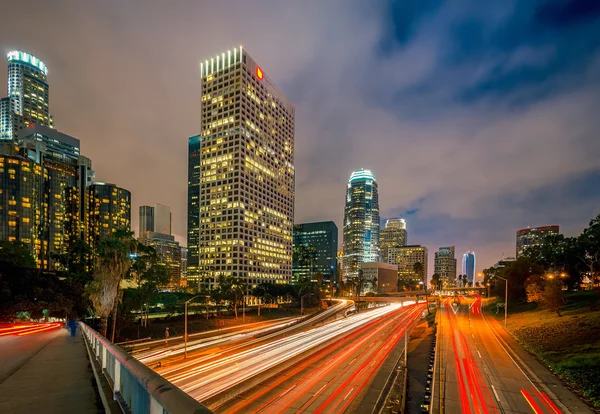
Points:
(445, 266)
(534, 236)
(109, 209)
(169, 252)
(246, 167)
(315, 250)
(28, 101)
(393, 235)
(468, 266)
(193, 211)
(361, 222)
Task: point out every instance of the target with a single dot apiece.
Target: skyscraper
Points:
(361, 222)
(445, 266)
(406, 257)
(534, 236)
(146, 222)
(315, 249)
(193, 211)
(246, 167)
(28, 101)
(468, 266)
(109, 209)
(155, 218)
(393, 235)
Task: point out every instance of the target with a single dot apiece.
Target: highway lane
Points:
(210, 379)
(477, 373)
(329, 380)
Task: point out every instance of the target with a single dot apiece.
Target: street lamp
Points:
(488, 284)
(302, 303)
(505, 300)
(185, 335)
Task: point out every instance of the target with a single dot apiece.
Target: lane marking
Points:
(495, 393)
(479, 354)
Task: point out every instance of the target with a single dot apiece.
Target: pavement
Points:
(482, 370)
(48, 372)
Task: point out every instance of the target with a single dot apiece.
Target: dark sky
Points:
(476, 117)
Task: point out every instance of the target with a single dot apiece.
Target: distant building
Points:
(183, 282)
(505, 261)
(193, 212)
(379, 277)
(445, 266)
(109, 209)
(393, 235)
(405, 258)
(314, 251)
(534, 236)
(169, 252)
(155, 218)
(28, 101)
(361, 222)
(468, 266)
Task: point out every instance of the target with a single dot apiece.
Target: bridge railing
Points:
(137, 388)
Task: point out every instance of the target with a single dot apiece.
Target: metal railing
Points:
(137, 388)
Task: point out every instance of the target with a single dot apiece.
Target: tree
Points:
(110, 267)
(435, 281)
(231, 289)
(548, 293)
(589, 248)
(17, 254)
(518, 274)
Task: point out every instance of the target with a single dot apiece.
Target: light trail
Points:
(21, 330)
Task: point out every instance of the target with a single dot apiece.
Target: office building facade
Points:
(109, 210)
(393, 235)
(314, 251)
(379, 278)
(361, 222)
(405, 258)
(468, 266)
(155, 218)
(193, 212)
(534, 236)
(28, 100)
(445, 266)
(246, 167)
(169, 252)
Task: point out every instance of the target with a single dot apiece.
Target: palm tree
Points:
(111, 265)
(435, 281)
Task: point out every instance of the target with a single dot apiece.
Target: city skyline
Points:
(517, 202)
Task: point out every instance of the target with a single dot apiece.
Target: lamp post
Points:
(488, 284)
(185, 312)
(505, 300)
(302, 303)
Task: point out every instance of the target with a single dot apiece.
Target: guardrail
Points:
(137, 388)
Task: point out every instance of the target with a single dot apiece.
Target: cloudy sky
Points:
(476, 117)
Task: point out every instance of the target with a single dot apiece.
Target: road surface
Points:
(477, 372)
(331, 379)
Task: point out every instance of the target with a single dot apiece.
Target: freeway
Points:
(478, 373)
(212, 377)
(328, 381)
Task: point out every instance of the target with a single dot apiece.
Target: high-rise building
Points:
(361, 222)
(23, 205)
(193, 211)
(315, 248)
(169, 252)
(28, 101)
(393, 235)
(109, 209)
(406, 257)
(505, 261)
(468, 266)
(155, 218)
(183, 281)
(379, 277)
(445, 266)
(246, 166)
(534, 236)
(58, 154)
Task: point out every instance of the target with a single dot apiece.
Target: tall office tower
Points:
(85, 178)
(315, 249)
(393, 235)
(109, 209)
(58, 154)
(361, 222)
(146, 221)
(155, 218)
(406, 257)
(23, 206)
(534, 236)
(183, 281)
(193, 211)
(169, 252)
(247, 173)
(28, 95)
(468, 266)
(445, 266)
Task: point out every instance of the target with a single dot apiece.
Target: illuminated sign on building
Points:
(259, 73)
(27, 58)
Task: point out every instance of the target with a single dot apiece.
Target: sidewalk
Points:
(58, 379)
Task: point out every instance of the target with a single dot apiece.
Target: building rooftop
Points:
(18, 56)
(361, 174)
